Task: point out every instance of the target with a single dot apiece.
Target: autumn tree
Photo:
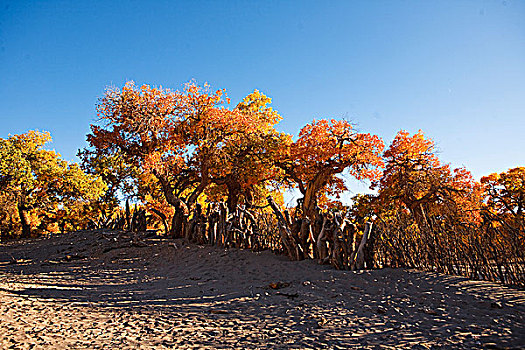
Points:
(38, 185)
(324, 150)
(428, 214)
(415, 179)
(505, 193)
(245, 160)
(115, 172)
(187, 140)
(504, 223)
(146, 128)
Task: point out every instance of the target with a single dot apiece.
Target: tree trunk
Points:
(359, 258)
(321, 243)
(178, 221)
(181, 209)
(24, 220)
(163, 217)
(128, 216)
(234, 192)
(223, 218)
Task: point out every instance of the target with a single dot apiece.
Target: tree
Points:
(427, 212)
(187, 141)
(504, 196)
(39, 183)
(323, 150)
(245, 163)
(436, 218)
(505, 192)
(119, 176)
(415, 179)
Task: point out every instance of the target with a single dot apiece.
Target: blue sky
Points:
(455, 69)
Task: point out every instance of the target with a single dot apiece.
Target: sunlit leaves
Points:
(325, 149)
(415, 178)
(505, 192)
(37, 184)
(189, 142)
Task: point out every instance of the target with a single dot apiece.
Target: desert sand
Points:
(102, 290)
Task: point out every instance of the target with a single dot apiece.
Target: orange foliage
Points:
(325, 149)
(505, 194)
(188, 141)
(415, 178)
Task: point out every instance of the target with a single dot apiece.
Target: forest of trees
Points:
(200, 169)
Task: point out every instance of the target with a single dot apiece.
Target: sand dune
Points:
(117, 290)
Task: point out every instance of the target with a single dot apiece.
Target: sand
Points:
(101, 290)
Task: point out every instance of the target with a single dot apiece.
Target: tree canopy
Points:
(37, 186)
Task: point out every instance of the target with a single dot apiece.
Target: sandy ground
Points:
(114, 290)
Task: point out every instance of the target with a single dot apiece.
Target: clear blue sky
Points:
(455, 69)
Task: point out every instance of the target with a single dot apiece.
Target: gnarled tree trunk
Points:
(24, 220)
